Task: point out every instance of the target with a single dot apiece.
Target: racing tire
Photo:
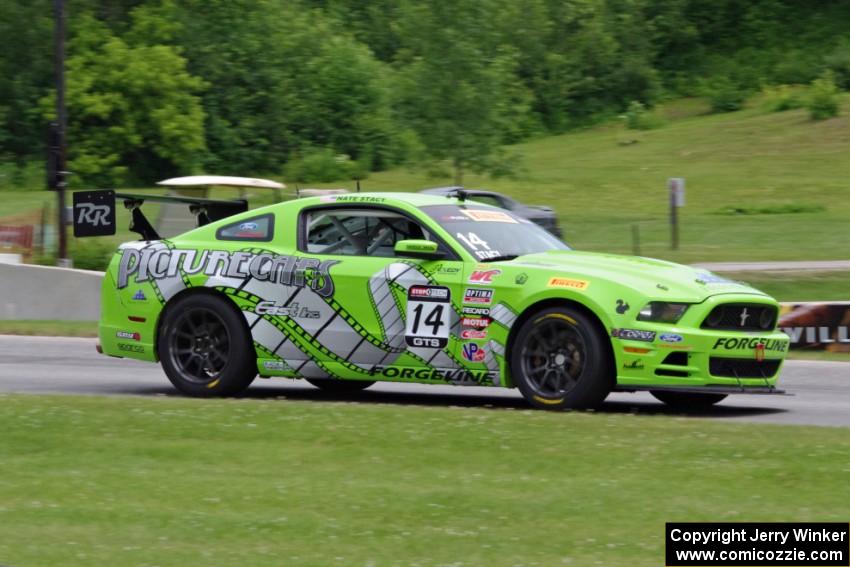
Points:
(687, 400)
(336, 386)
(205, 347)
(560, 360)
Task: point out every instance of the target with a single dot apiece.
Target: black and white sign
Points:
(428, 316)
(94, 213)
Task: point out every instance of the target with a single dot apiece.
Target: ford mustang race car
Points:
(346, 290)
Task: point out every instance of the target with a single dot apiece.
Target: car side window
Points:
(359, 232)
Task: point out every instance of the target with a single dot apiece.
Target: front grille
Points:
(741, 317)
(742, 367)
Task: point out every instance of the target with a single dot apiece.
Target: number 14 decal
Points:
(428, 316)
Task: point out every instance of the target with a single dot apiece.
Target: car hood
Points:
(654, 278)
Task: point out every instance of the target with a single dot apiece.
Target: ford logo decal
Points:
(671, 338)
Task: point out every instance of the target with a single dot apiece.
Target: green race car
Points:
(346, 290)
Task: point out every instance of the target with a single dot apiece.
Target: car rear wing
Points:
(94, 211)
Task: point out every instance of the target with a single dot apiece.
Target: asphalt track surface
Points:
(51, 365)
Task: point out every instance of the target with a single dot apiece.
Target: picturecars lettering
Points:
(153, 264)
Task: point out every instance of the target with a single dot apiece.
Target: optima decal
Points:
(154, 264)
(776, 345)
(475, 295)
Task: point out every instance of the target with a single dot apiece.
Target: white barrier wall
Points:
(43, 292)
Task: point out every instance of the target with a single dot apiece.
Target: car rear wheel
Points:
(205, 347)
(340, 386)
(687, 400)
(559, 360)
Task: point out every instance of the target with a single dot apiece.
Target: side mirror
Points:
(418, 249)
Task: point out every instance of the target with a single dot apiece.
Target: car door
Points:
(388, 317)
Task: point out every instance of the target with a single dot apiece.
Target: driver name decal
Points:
(158, 263)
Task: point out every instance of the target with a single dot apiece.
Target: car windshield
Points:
(492, 234)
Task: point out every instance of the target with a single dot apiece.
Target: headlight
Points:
(662, 312)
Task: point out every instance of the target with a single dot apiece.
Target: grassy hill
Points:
(605, 180)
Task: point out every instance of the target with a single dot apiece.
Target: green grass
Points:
(601, 187)
(605, 180)
(799, 286)
(121, 481)
(49, 328)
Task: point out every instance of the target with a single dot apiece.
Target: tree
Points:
(133, 113)
(26, 67)
(457, 85)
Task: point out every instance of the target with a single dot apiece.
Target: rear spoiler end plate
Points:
(94, 211)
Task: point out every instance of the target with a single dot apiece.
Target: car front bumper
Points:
(688, 356)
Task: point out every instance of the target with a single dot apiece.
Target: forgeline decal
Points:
(158, 263)
(453, 375)
(634, 334)
(568, 283)
(634, 365)
(131, 348)
(476, 295)
(483, 276)
(744, 343)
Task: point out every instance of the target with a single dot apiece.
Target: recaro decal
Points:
(155, 264)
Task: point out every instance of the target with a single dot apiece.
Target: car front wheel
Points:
(559, 360)
(205, 347)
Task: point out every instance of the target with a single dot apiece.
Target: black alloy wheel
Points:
(560, 360)
(205, 347)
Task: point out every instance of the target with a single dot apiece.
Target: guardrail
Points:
(44, 293)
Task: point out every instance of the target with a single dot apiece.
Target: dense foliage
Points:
(166, 87)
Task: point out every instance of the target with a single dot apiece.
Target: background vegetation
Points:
(277, 87)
